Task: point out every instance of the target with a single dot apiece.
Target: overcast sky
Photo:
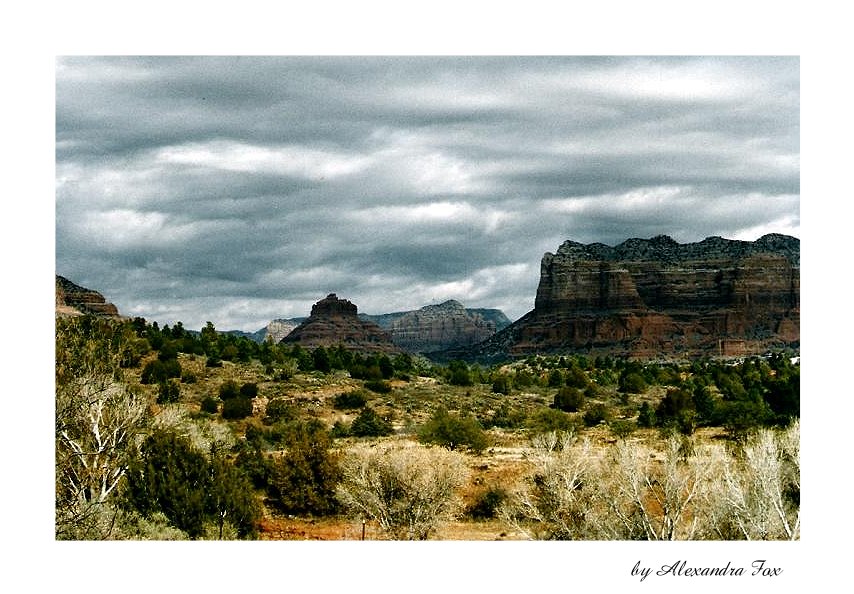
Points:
(242, 189)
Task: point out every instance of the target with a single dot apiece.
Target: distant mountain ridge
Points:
(433, 327)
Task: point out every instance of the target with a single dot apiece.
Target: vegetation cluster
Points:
(165, 433)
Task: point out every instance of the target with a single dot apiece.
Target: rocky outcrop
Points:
(658, 298)
(277, 329)
(333, 322)
(439, 327)
(74, 300)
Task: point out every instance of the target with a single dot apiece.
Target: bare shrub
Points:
(408, 489)
(649, 498)
(96, 419)
(762, 488)
(556, 499)
(630, 493)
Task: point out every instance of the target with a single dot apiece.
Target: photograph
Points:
(429, 298)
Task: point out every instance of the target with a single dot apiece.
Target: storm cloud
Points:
(240, 189)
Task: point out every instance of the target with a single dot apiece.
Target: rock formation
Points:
(334, 321)
(439, 327)
(277, 329)
(74, 300)
(658, 298)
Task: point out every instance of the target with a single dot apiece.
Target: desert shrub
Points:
(762, 488)
(545, 420)
(370, 424)
(487, 503)
(507, 418)
(452, 431)
(408, 491)
(576, 378)
(340, 429)
(596, 414)
(646, 415)
(320, 360)
(210, 405)
(523, 379)
(304, 479)
(97, 416)
(168, 350)
(386, 367)
(172, 478)
(168, 391)
(236, 408)
(378, 386)
(350, 400)
(555, 501)
(188, 377)
(459, 374)
(156, 371)
(501, 384)
(632, 383)
(569, 399)
(228, 390)
(249, 390)
(622, 428)
(555, 379)
(676, 410)
(742, 417)
(279, 409)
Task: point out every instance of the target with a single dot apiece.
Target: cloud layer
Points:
(239, 189)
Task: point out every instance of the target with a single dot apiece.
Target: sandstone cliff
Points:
(334, 321)
(439, 327)
(74, 300)
(658, 298)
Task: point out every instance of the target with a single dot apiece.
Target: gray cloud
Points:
(237, 189)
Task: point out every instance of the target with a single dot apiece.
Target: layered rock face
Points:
(74, 300)
(439, 327)
(333, 322)
(656, 297)
(277, 329)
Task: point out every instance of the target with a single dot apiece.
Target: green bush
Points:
(501, 384)
(507, 417)
(459, 374)
(279, 409)
(236, 408)
(350, 400)
(569, 399)
(576, 378)
(487, 503)
(168, 391)
(595, 415)
(646, 415)
(546, 420)
(632, 383)
(229, 389)
(340, 429)
(170, 477)
(249, 390)
(378, 386)
(210, 405)
(157, 371)
(370, 424)
(622, 428)
(452, 431)
(304, 479)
